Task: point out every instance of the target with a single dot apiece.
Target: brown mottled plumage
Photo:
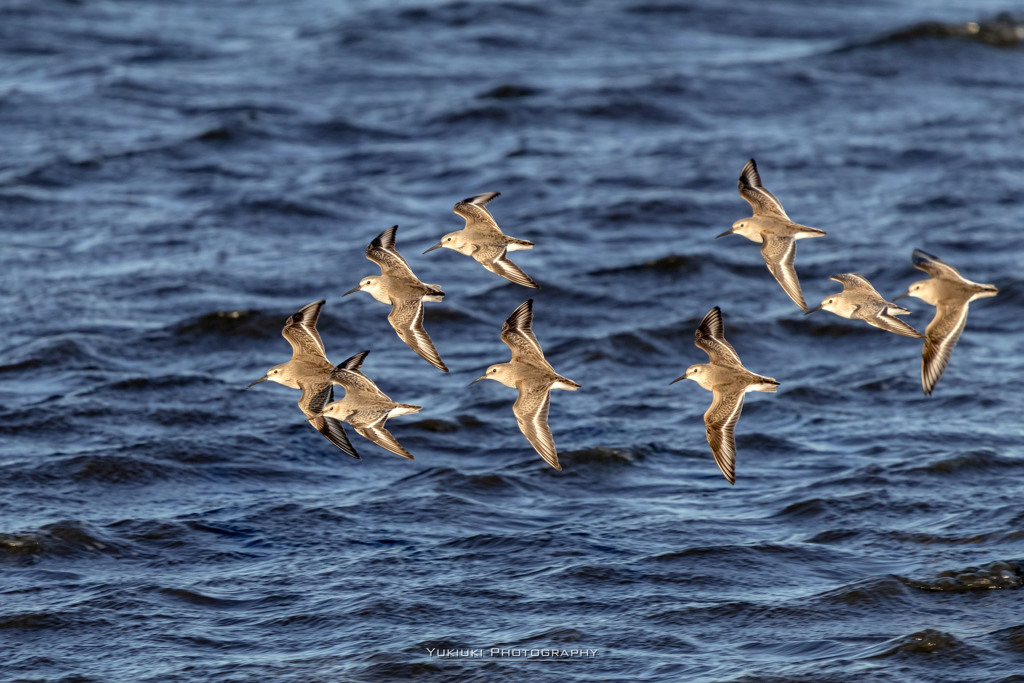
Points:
(950, 293)
(859, 300)
(366, 407)
(728, 381)
(482, 239)
(399, 287)
(530, 373)
(310, 371)
(773, 230)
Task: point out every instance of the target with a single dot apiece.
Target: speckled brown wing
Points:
(779, 253)
(517, 333)
(382, 251)
(347, 374)
(710, 338)
(370, 425)
(314, 398)
(940, 337)
(406, 318)
(531, 411)
(934, 266)
(720, 424)
(761, 200)
(854, 282)
(891, 323)
(478, 218)
(504, 267)
(300, 331)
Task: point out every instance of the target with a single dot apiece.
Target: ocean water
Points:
(176, 179)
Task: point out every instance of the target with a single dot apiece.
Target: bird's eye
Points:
(448, 240)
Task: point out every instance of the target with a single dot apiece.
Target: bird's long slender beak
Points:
(353, 290)
(906, 293)
(476, 380)
(313, 417)
(264, 378)
(677, 379)
(727, 232)
(436, 246)
(812, 310)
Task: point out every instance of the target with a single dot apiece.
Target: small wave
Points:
(27, 364)
(281, 206)
(1014, 639)
(489, 113)
(49, 621)
(404, 670)
(995, 576)
(739, 555)
(766, 443)
(630, 110)
(464, 13)
(344, 132)
(867, 594)
(248, 323)
(140, 463)
(662, 8)
(921, 538)
(600, 455)
(607, 574)
(434, 425)
(67, 538)
(450, 426)
(937, 202)
(637, 347)
(924, 642)
(243, 323)
(905, 384)
(72, 351)
(557, 634)
(509, 91)
(673, 263)
(835, 536)
(827, 329)
(490, 542)
(813, 394)
(159, 382)
(197, 599)
(120, 469)
(982, 461)
(220, 133)
(838, 508)
(1003, 31)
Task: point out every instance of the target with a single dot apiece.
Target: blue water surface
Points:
(176, 179)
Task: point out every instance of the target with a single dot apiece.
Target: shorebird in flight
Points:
(727, 379)
(773, 230)
(859, 300)
(366, 407)
(530, 373)
(399, 287)
(482, 239)
(950, 293)
(310, 371)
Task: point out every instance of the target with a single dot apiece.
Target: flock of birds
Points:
(366, 408)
